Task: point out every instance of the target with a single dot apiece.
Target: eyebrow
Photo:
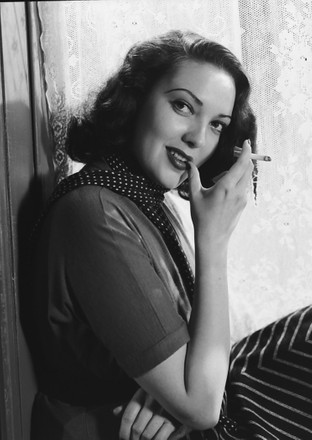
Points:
(197, 100)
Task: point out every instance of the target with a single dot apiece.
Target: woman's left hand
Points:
(144, 419)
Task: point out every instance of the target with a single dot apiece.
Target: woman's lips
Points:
(178, 158)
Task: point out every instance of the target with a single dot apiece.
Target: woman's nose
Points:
(195, 136)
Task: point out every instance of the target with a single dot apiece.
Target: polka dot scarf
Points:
(147, 195)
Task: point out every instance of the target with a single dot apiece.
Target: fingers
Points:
(219, 176)
(180, 433)
(194, 179)
(143, 420)
(158, 429)
(246, 180)
(237, 171)
(231, 177)
(130, 414)
(164, 433)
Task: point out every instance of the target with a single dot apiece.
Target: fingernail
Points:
(117, 410)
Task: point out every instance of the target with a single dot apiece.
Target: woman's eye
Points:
(182, 107)
(218, 126)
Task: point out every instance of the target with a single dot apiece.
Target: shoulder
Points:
(89, 199)
(97, 206)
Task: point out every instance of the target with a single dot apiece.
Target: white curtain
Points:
(271, 259)
(270, 270)
(83, 42)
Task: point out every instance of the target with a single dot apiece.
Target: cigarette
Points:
(265, 158)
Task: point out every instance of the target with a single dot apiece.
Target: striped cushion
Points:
(270, 381)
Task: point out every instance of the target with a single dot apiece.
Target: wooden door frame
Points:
(26, 177)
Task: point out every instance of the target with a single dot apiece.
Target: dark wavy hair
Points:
(109, 123)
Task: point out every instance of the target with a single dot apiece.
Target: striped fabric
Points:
(270, 381)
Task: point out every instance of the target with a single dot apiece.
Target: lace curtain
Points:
(270, 267)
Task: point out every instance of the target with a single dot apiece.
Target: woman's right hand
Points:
(144, 419)
(216, 211)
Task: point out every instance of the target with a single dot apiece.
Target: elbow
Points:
(200, 419)
(203, 410)
(202, 423)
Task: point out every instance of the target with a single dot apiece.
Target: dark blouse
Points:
(109, 301)
(110, 305)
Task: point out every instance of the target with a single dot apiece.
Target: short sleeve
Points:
(109, 270)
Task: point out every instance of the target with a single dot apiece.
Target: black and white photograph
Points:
(156, 220)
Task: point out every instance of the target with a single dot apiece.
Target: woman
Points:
(133, 334)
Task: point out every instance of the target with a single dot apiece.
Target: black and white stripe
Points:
(270, 381)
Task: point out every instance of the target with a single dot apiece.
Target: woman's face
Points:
(182, 120)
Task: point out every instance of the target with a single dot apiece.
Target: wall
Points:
(25, 179)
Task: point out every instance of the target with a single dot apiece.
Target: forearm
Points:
(190, 384)
(208, 350)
